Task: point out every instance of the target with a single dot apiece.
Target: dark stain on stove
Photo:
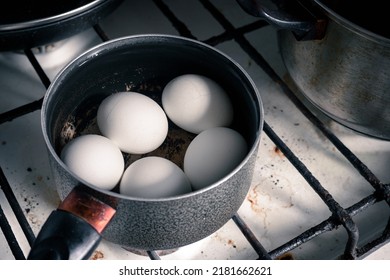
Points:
(97, 255)
(249, 63)
(278, 151)
(3, 143)
(30, 205)
(231, 243)
(275, 108)
(286, 256)
(252, 198)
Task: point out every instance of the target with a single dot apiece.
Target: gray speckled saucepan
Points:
(145, 63)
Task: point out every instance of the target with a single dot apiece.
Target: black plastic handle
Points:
(73, 231)
(304, 21)
(64, 236)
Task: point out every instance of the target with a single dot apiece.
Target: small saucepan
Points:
(146, 63)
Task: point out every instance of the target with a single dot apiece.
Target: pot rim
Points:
(51, 19)
(112, 44)
(351, 25)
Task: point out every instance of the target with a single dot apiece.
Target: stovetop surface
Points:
(280, 204)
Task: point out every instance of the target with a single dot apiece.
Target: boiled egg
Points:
(196, 103)
(154, 177)
(212, 155)
(95, 159)
(133, 121)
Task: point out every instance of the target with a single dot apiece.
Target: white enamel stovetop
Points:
(280, 204)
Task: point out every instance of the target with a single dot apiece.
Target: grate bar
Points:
(340, 216)
(10, 237)
(32, 106)
(15, 206)
(180, 26)
(226, 36)
(376, 243)
(21, 111)
(304, 237)
(332, 224)
(153, 255)
(100, 32)
(338, 212)
(263, 255)
(38, 68)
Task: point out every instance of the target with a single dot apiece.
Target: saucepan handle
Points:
(73, 231)
(307, 23)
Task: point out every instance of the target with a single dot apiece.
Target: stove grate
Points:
(340, 216)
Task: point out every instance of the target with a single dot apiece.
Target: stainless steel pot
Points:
(143, 63)
(339, 57)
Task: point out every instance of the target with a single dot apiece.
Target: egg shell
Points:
(154, 177)
(95, 159)
(196, 103)
(135, 122)
(212, 155)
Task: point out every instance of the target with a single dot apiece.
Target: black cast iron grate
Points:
(340, 216)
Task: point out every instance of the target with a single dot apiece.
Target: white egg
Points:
(212, 155)
(135, 122)
(196, 103)
(154, 177)
(95, 159)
